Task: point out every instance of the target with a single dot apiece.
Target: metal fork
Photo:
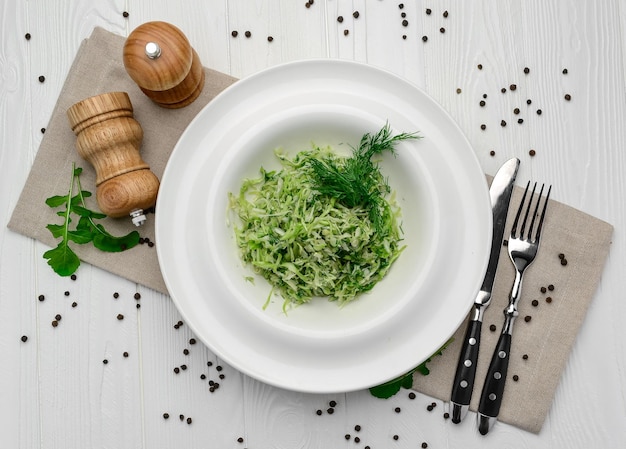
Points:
(522, 248)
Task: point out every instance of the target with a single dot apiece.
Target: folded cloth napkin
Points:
(546, 338)
(556, 293)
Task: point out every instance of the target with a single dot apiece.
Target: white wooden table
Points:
(55, 391)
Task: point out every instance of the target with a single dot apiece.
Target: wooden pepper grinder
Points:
(159, 58)
(109, 138)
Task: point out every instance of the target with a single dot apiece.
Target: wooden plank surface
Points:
(56, 390)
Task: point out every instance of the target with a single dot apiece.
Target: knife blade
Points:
(500, 195)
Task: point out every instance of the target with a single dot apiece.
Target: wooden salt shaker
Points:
(159, 58)
(109, 138)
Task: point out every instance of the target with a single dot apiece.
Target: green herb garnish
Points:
(390, 388)
(357, 181)
(63, 259)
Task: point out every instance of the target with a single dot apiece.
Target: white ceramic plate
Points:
(320, 347)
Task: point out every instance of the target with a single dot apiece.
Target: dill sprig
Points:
(358, 182)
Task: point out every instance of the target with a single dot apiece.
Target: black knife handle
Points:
(493, 389)
(466, 367)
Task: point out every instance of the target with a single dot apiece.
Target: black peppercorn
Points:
(24, 338)
(42, 78)
(234, 33)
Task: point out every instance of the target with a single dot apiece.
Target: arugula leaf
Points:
(390, 388)
(63, 259)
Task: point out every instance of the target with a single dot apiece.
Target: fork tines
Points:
(529, 237)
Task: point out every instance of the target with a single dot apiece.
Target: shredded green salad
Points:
(310, 241)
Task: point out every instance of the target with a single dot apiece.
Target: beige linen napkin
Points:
(545, 330)
(547, 338)
(98, 68)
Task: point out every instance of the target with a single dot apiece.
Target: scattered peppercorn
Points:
(525, 356)
(549, 299)
(520, 120)
(66, 293)
(492, 328)
(73, 277)
(397, 409)
(482, 103)
(485, 96)
(188, 420)
(428, 11)
(239, 440)
(551, 287)
(568, 97)
(177, 370)
(181, 417)
(564, 71)
(166, 415)
(137, 296)
(529, 101)
(120, 316)
(532, 152)
(27, 36)
(516, 111)
(458, 90)
(543, 289)
(247, 34)
(513, 87)
(192, 341)
(270, 39)
(502, 123)
(401, 6)
(340, 19)
(526, 70)
(330, 411)
(105, 361)
(24, 338)
(186, 351)
(563, 262)
(405, 23)
(442, 30)
(538, 111)
(515, 377)
(116, 295)
(318, 412)
(424, 445)
(347, 436)
(125, 14)
(41, 298)
(411, 395)
(396, 437)
(357, 428)
(125, 354)
(535, 303)
(445, 14)
(183, 367)
(355, 14)
(527, 318)
(42, 78)
(503, 90)
(424, 38)
(483, 127)
(446, 415)
(55, 323)
(333, 403)
(357, 440)
(43, 130)
(492, 153)
(57, 317)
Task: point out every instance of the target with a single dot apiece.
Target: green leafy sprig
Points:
(62, 258)
(388, 389)
(358, 181)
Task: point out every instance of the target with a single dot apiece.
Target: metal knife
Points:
(500, 194)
